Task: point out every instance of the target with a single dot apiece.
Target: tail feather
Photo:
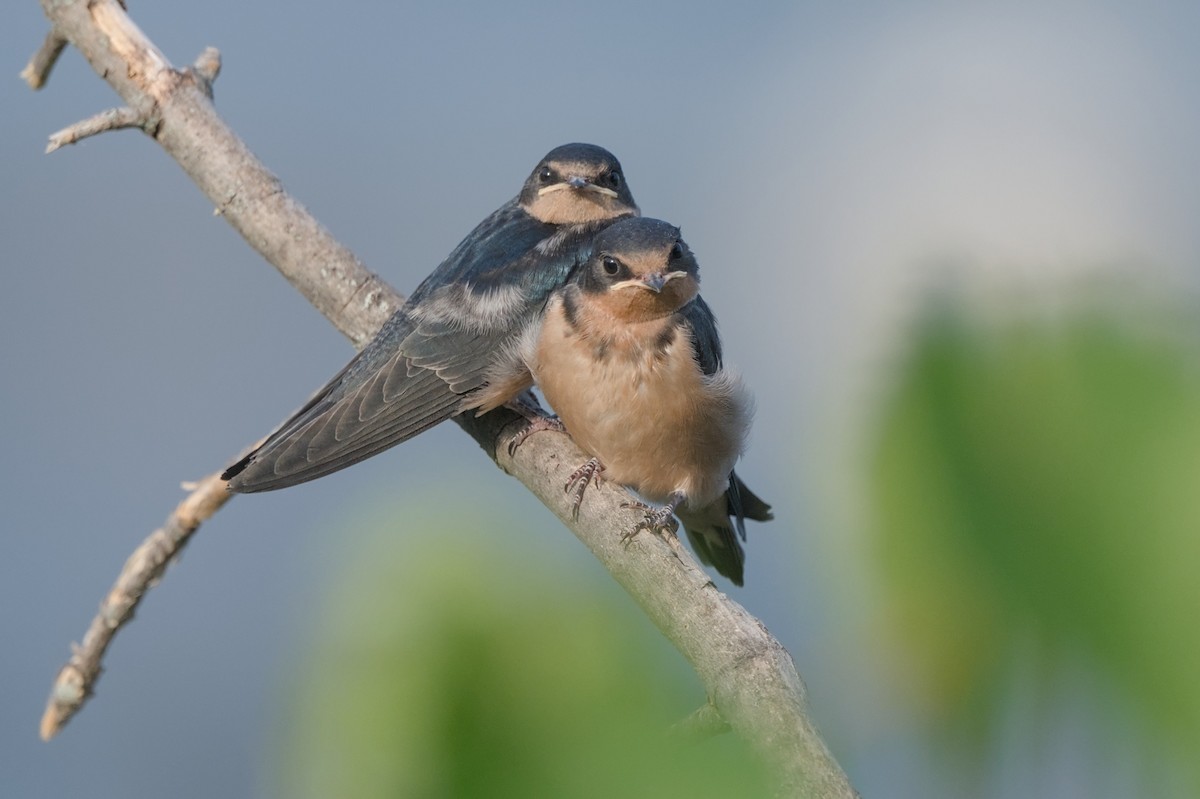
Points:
(742, 499)
(714, 531)
(717, 545)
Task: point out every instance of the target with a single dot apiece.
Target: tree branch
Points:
(112, 119)
(75, 680)
(749, 676)
(37, 71)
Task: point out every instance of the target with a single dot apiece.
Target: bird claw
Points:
(656, 520)
(578, 480)
(537, 424)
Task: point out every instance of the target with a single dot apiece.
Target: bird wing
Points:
(706, 342)
(436, 349)
(713, 538)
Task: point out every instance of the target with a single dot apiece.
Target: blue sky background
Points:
(828, 163)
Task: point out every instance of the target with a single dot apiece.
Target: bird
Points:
(435, 356)
(628, 356)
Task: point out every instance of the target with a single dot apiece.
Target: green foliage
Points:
(458, 666)
(1036, 497)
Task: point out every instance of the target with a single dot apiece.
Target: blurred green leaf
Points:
(1036, 495)
(456, 666)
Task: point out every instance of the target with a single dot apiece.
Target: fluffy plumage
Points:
(629, 357)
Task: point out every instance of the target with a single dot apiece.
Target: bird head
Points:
(577, 183)
(640, 269)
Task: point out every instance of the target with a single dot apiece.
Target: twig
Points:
(748, 675)
(208, 67)
(205, 70)
(37, 71)
(112, 119)
(76, 680)
(705, 722)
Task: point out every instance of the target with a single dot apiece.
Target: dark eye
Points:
(676, 251)
(546, 175)
(610, 265)
(614, 179)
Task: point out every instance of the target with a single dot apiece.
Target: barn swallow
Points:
(629, 358)
(434, 357)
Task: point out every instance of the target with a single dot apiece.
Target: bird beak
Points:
(651, 282)
(654, 281)
(577, 183)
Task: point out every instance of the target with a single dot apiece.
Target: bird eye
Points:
(676, 251)
(546, 175)
(614, 179)
(610, 265)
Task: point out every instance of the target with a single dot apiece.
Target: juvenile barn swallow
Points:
(629, 358)
(434, 356)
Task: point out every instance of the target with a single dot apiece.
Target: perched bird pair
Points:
(565, 286)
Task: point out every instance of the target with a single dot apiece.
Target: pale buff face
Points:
(634, 301)
(563, 204)
(573, 192)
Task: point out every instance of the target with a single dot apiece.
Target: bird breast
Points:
(633, 396)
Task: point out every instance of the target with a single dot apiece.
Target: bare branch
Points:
(749, 676)
(208, 67)
(241, 188)
(75, 681)
(112, 119)
(37, 71)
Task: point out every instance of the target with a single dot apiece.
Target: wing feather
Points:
(428, 359)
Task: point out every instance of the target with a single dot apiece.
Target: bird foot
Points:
(525, 404)
(578, 481)
(537, 423)
(656, 520)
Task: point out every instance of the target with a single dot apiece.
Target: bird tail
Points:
(714, 530)
(714, 539)
(744, 503)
